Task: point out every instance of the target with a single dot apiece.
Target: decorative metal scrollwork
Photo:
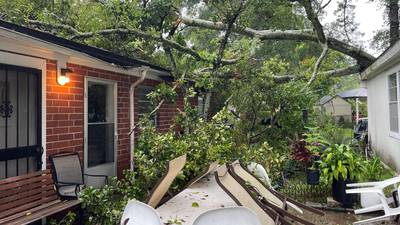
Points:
(6, 109)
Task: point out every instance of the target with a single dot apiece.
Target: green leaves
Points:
(105, 205)
(341, 162)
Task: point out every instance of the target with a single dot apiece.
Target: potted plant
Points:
(302, 154)
(340, 166)
(308, 151)
(313, 173)
(315, 144)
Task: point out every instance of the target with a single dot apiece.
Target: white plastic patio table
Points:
(206, 193)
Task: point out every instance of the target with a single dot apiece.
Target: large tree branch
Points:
(357, 53)
(224, 41)
(313, 17)
(67, 28)
(319, 30)
(137, 33)
(318, 64)
(354, 69)
(152, 37)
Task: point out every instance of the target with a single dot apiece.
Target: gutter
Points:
(143, 73)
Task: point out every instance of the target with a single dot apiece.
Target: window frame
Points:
(392, 133)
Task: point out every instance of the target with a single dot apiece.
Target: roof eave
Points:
(385, 61)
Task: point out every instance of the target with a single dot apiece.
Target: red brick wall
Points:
(65, 109)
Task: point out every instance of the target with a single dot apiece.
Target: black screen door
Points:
(20, 120)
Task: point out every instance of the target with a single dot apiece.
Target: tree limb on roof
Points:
(137, 33)
(67, 28)
(357, 53)
(353, 69)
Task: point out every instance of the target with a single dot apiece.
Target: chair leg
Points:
(395, 195)
(375, 219)
(369, 209)
(81, 216)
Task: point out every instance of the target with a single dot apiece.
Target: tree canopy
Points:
(269, 59)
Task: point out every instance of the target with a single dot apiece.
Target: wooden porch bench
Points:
(31, 197)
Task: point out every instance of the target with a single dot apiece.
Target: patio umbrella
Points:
(357, 94)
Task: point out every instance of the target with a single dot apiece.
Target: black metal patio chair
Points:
(68, 175)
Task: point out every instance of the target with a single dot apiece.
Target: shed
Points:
(336, 107)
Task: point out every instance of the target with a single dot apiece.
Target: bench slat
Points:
(27, 206)
(26, 193)
(23, 177)
(33, 210)
(24, 182)
(20, 190)
(44, 212)
(30, 197)
(41, 212)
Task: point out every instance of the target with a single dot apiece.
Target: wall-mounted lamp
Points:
(62, 77)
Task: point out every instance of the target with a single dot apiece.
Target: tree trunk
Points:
(207, 105)
(393, 21)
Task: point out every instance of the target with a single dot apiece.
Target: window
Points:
(394, 103)
(144, 104)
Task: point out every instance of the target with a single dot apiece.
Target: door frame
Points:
(85, 119)
(19, 152)
(22, 60)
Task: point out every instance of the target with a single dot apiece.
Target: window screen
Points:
(393, 103)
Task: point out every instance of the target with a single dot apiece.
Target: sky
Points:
(368, 14)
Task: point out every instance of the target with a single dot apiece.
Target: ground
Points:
(336, 218)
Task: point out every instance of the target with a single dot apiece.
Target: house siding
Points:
(387, 147)
(65, 111)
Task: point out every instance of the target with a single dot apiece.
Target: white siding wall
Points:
(378, 119)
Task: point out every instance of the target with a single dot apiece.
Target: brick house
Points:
(57, 95)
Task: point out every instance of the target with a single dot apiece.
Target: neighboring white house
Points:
(382, 79)
(336, 107)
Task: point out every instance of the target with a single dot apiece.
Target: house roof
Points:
(104, 55)
(389, 58)
(325, 99)
(354, 93)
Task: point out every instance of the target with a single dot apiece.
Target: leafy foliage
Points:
(105, 205)
(339, 162)
(375, 171)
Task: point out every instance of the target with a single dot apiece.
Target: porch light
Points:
(63, 78)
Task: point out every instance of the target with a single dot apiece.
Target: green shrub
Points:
(375, 171)
(341, 162)
(105, 205)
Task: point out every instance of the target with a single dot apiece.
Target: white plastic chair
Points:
(237, 215)
(138, 213)
(376, 188)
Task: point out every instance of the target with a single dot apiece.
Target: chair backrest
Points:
(21, 193)
(228, 216)
(265, 192)
(138, 213)
(66, 168)
(240, 195)
(173, 168)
